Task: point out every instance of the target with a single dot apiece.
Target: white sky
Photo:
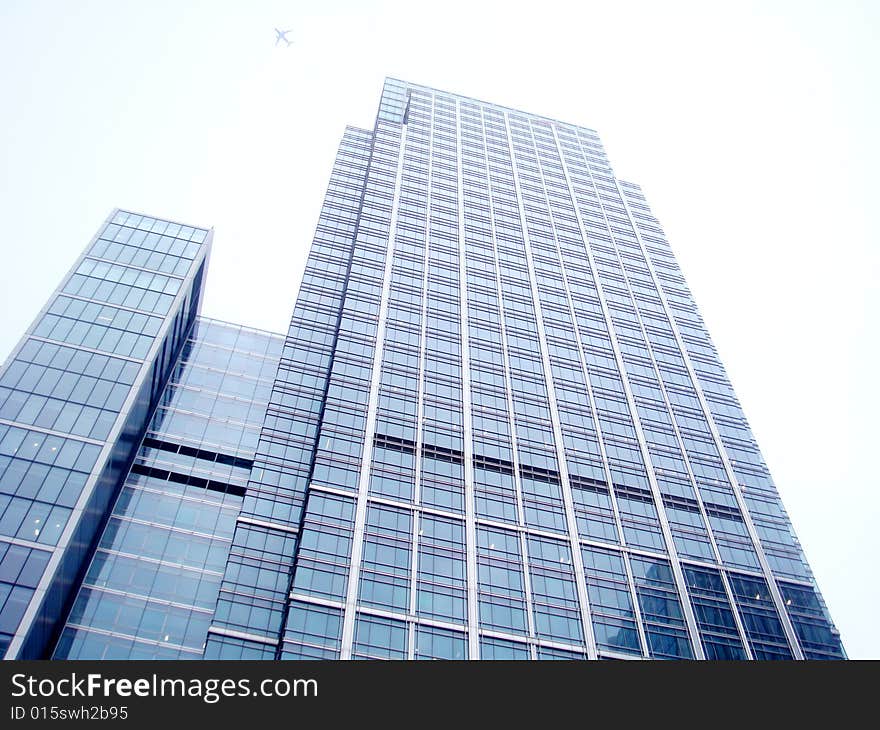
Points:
(752, 128)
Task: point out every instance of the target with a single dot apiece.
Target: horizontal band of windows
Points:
(236, 461)
(194, 481)
(80, 628)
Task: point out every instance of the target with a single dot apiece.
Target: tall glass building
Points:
(495, 429)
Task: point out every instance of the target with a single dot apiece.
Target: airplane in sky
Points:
(281, 35)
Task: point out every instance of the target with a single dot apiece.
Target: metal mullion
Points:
(420, 396)
(468, 447)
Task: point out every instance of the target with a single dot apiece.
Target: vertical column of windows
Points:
(563, 267)
(468, 430)
(773, 528)
(734, 524)
(639, 499)
(379, 231)
(497, 480)
(595, 505)
(682, 504)
(674, 391)
(534, 223)
(323, 555)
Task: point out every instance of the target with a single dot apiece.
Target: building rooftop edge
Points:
(491, 103)
(131, 211)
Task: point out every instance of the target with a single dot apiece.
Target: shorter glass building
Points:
(152, 585)
(75, 397)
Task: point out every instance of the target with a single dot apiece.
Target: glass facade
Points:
(495, 429)
(75, 397)
(528, 446)
(153, 583)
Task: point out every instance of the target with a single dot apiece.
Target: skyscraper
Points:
(496, 428)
